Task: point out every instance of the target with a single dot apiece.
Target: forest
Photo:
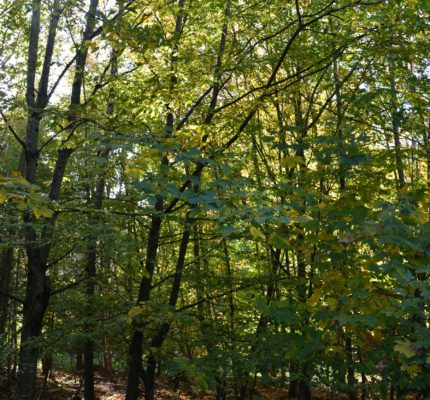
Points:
(215, 199)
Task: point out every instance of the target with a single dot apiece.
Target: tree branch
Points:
(21, 142)
(12, 296)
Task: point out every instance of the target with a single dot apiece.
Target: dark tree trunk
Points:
(89, 370)
(395, 121)
(36, 302)
(38, 249)
(6, 266)
(158, 339)
(88, 373)
(135, 348)
(304, 391)
(150, 374)
(91, 266)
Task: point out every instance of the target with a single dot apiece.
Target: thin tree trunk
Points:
(342, 187)
(395, 121)
(302, 386)
(161, 334)
(135, 348)
(135, 370)
(6, 266)
(91, 266)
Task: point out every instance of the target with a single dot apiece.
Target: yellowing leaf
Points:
(404, 190)
(331, 302)
(18, 178)
(42, 211)
(292, 161)
(301, 219)
(370, 340)
(3, 197)
(134, 312)
(405, 348)
(315, 298)
(412, 370)
(256, 233)
(135, 172)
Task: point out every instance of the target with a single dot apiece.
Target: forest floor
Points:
(64, 386)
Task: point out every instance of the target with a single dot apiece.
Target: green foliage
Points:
(275, 136)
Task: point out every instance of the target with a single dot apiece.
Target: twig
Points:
(57, 260)
(71, 285)
(21, 142)
(12, 296)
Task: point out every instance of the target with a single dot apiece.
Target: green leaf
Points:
(256, 233)
(405, 348)
(423, 269)
(43, 211)
(3, 197)
(134, 312)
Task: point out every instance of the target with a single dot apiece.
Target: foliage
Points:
(250, 179)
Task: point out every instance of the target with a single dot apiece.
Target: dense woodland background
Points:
(233, 194)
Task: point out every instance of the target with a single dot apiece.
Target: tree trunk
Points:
(91, 266)
(38, 285)
(89, 370)
(107, 358)
(135, 348)
(158, 339)
(36, 302)
(6, 265)
(395, 121)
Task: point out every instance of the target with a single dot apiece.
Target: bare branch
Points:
(12, 296)
(21, 142)
(69, 286)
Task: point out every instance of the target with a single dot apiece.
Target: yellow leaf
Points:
(134, 312)
(134, 172)
(412, 370)
(315, 298)
(331, 302)
(291, 161)
(3, 197)
(404, 190)
(256, 233)
(405, 348)
(43, 211)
